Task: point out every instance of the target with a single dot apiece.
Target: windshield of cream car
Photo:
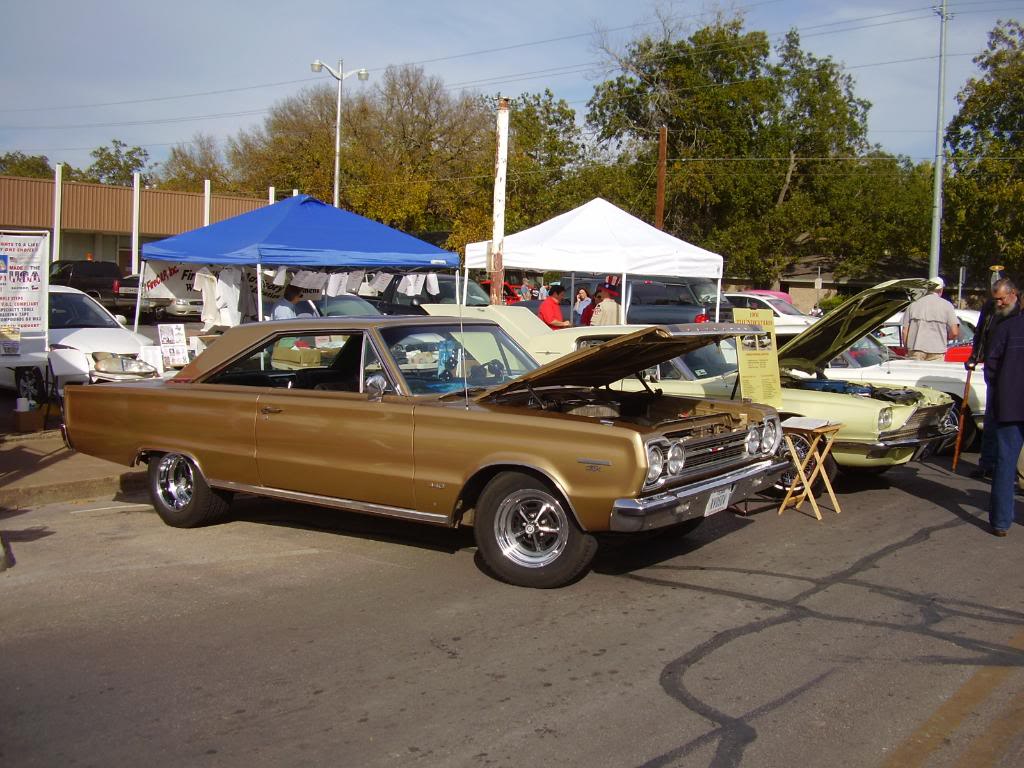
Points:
(711, 360)
(439, 359)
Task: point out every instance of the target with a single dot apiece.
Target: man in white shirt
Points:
(284, 308)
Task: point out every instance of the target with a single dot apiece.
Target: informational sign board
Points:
(173, 344)
(758, 358)
(24, 279)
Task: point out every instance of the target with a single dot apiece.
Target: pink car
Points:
(778, 294)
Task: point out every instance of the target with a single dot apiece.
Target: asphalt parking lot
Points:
(888, 635)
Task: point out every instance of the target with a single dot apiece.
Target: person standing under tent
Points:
(607, 311)
(284, 308)
(550, 310)
(582, 302)
(929, 324)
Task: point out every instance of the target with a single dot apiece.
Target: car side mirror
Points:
(121, 319)
(376, 386)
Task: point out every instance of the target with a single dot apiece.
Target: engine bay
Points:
(898, 395)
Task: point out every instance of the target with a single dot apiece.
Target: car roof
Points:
(64, 289)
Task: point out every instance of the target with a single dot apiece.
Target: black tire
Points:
(971, 430)
(526, 534)
(782, 484)
(29, 383)
(180, 494)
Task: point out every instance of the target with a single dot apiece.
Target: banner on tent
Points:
(167, 280)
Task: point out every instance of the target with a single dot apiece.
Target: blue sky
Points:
(63, 64)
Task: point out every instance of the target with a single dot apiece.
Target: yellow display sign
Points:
(758, 359)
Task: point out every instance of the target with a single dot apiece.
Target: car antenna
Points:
(462, 334)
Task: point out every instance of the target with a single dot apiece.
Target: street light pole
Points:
(339, 74)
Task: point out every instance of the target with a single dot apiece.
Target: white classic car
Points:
(788, 319)
(80, 327)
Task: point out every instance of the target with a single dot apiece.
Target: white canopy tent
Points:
(599, 237)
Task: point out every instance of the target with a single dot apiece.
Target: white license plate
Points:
(718, 501)
(128, 291)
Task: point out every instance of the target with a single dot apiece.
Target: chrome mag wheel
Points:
(175, 481)
(531, 528)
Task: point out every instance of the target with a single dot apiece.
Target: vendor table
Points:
(819, 440)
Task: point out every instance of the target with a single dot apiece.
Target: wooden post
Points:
(496, 266)
(659, 205)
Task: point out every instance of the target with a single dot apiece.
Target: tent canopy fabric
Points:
(300, 231)
(600, 237)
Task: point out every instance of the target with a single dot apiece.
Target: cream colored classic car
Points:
(440, 421)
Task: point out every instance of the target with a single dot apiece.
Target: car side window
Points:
(329, 361)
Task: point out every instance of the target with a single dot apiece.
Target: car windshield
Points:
(705, 291)
(342, 306)
(966, 335)
(863, 354)
(711, 360)
(76, 310)
(439, 359)
(783, 307)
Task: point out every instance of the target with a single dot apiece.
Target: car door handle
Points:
(269, 409)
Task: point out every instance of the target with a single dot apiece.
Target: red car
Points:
(511, 295)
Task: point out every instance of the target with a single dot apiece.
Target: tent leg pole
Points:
(718, 300)
(465, 285)
(259, 292)
(572, 297)
(458, 293)
(625, 304)
(138, 294)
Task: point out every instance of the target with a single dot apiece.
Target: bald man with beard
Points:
(1004, 304)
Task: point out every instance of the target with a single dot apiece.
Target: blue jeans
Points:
(987, 459)
(1009, 439)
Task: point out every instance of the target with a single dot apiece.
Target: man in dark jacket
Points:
(1003, 305)
(1004, 374)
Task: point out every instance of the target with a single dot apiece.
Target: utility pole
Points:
(934, 251)
(659, 205)
(495, 265)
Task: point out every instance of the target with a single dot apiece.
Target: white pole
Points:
(337, 132)
(259, 292)
(936, 242)
(271, 195)
(497, 265)
(138, 295)
(136, 208)
(622, 307)
(295, 193)
(718, 299)
(58, 205)
(465, 285)
(207, 198)
(458, 286)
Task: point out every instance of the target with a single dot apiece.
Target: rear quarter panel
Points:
(215, 425)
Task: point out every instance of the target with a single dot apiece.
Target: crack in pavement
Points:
(734, 734)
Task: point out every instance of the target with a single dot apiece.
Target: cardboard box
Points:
(30, 421)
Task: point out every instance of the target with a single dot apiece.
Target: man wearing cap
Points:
(929, 324)
(607, 310)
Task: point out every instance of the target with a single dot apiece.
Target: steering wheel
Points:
(496, 369)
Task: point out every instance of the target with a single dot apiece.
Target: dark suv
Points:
(97, 278)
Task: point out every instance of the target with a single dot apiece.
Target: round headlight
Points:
(769, 436)
(753, 440)
(885, 418)
(655, 463)
(676, 459)
(122, 364)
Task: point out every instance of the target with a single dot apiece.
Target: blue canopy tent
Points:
(298, 231)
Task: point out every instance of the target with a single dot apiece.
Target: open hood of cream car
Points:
(624, 356)
(812, 350)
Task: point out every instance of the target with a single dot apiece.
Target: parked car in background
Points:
(509, 292)
(787, 317)
(436, 421)
(343, 305)
(126, 293)
(98, 279)
(83, 329)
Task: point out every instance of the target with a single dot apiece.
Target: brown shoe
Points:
(1000, 532)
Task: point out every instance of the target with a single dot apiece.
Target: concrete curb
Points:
(23, 496)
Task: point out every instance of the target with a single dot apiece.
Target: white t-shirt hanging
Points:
(432, 287)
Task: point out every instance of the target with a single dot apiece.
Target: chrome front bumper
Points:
(680, 504)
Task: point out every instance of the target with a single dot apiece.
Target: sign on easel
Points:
(173, 344)
(758, 359)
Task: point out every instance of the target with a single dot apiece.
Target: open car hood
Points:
(812, 349)
(618, 358)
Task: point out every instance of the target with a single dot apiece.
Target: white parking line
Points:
(120, 507)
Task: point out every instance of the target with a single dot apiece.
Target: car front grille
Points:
(924, 422)
(711, 454)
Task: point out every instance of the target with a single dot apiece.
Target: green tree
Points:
(114, 165)
(28, 166)
(189, 165)
(985, 192)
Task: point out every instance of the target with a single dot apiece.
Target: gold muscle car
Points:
(438, 421)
